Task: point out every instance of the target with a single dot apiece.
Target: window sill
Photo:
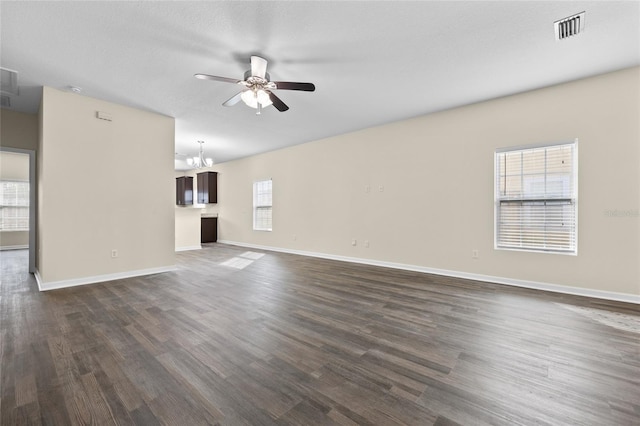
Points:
(528, 250)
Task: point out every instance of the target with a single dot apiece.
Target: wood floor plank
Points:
(28, 414)
(292, 340)
(26, 390)
(305, 413)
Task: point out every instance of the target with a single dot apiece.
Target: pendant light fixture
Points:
(200, 161)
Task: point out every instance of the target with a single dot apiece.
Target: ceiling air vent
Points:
(8, 81)
(570, 26)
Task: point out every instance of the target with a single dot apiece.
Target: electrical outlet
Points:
(367, 189)
(366, 243)
(381, 188)
(474, 254)
(114, 253)
(354, 242)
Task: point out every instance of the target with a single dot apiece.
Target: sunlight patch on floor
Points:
(243, 260)
(612, 319)
(252, 255)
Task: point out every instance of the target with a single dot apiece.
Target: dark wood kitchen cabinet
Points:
(208, 229)
(207, 188)
(184, 190)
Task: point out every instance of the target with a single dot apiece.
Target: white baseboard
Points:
(53, 285)
(20, 247)
(187, 248)
(556, 288)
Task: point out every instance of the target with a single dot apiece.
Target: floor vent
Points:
(5, 101)
(570, 26)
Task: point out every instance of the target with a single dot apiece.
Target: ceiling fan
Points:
(257, 89)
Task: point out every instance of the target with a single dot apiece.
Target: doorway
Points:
(17, 202)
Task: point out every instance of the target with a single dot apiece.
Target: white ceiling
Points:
(371, 62)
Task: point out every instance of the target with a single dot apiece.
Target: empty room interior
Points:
(320, 213)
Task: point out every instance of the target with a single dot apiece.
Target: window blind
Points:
(536, 206)
(262, 205)
(14, 205)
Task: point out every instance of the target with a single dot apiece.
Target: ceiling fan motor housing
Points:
(247, 74)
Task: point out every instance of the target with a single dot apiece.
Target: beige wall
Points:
(436, 174)
(14, 240)
(103, 185)
(14, 166)
(18, 129)
(187, 228)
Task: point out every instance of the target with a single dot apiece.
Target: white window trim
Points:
(255, 206)
(575, 197)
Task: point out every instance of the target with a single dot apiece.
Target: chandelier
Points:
(200, 161)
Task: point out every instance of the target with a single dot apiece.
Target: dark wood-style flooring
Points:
(234, 339)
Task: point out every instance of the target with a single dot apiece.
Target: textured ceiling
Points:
(372, 62)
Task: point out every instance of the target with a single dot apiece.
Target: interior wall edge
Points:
(188, 248)
(55, 285)
(534, 285)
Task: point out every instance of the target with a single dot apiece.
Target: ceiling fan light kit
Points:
(252, 98)
(257, 89)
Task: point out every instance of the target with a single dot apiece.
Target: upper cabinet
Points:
(184, 190)
(207, 188)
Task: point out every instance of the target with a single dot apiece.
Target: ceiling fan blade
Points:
(258, 66)
(289, 85)
(216, 78)
(277, 102)
(233, 100)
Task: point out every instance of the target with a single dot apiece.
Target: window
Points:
(536, 198)
(262, 200)
(14, 205)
